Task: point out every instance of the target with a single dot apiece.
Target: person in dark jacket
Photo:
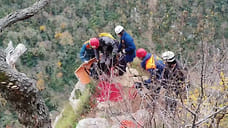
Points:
(150, 62)
(126, 44)
(86, 52)
(174, 75)
(104, 48)
(173, 79)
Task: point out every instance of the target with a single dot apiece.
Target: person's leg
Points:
(127, 62)
(102, 62)
(122, 65)
(93, 71)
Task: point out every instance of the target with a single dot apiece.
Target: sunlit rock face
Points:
(93, 123)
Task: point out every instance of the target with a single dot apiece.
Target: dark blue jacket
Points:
(86, 54)
(158, 62)
(128, 44)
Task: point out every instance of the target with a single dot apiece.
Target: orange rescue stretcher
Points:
(82, 73)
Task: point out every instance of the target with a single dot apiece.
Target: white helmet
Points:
(168, 56)
(118, 29)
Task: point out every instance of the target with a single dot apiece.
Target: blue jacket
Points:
(158, 62)
(86, 54)
(128, 44)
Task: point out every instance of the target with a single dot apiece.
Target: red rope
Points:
(132, 92)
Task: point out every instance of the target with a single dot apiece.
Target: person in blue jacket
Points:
(86, 52)
(126, 44)
(152, 63)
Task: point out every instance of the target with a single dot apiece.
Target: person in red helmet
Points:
(150, 62)
(86, 52)
(105, 46)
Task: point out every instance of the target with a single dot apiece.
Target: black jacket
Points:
(107, 46)
(173, 76)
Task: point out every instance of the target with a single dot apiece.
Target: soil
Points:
(110, 109)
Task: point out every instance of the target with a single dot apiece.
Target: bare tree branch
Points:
(188, 109)
(201, 85)
(209, 116)
(22, 14)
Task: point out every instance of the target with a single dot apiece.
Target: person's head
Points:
(141, 53)
(94, 42)
(169, 57)
(119, 30)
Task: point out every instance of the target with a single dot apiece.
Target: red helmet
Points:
(141, 53)
(94, 42)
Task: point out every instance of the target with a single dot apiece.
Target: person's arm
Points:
(96, 52)
(143, 65)
(151, 71)
(82, 53)
(164, 80)
(120, 47)
(115, 46)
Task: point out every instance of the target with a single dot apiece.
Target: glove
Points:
(114, 53)
(124, 51)
(137, 85)
(147, 81)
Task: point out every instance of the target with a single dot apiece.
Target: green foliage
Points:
(69, 117)
(83, 105)
(51, 104)
(31, 58)
(77, 93)
(92, 87)
(8, 119)
(181, 26)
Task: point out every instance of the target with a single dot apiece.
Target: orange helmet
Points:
(94, 42)
(141, 53)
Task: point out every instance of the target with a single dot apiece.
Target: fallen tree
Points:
(15, 87)
(22, 94)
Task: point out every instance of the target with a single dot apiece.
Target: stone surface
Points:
(72, 99)
(93, 123)
(128, 78)
(80, 86)
(138, 117)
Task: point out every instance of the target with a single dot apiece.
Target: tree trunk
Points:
(23, 96)
(22, 14)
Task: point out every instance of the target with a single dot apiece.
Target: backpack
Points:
(106, 34)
